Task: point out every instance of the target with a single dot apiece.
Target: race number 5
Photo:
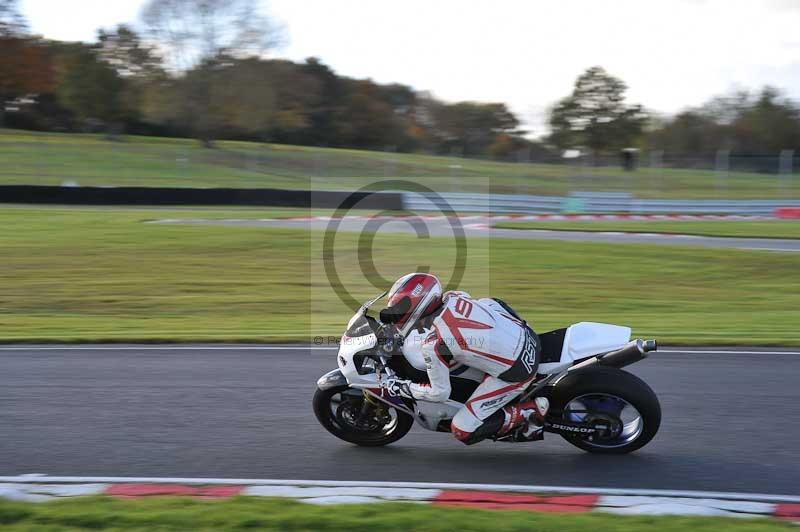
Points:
(463, 307)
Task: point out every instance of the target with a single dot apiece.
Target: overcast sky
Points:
(672, 54)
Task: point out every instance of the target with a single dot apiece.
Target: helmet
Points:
(412, 297)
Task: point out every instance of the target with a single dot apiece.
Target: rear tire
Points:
(336, 424)
(609, 383)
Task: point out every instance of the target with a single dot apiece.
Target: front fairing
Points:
(358, 341)
(353, 363)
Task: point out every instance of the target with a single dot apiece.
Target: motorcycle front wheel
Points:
(614, 398)
(348, 414)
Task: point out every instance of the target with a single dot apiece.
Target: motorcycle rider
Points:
(452, 330)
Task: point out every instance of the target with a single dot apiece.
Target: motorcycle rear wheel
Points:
(339, 411)
(611, 395)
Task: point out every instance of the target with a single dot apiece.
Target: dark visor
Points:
(396, 312)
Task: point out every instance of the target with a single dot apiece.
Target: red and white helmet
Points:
(412, 297)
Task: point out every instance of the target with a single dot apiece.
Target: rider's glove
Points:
(397, 387)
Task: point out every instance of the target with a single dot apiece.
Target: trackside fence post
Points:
(785, 169)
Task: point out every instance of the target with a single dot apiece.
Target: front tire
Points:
(607, 393)
(339, 410)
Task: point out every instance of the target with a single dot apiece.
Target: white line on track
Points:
(40, 479)
(722, 352)
(782, 250)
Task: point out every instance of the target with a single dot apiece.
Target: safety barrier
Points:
(788, 213)
(197, 196)
(577, 203)
(590, 204)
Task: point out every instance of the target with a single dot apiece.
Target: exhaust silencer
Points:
(633, 352)
(650, 345)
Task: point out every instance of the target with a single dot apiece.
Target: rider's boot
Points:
(526, 420)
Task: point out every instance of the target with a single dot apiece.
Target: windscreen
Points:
(358, 326)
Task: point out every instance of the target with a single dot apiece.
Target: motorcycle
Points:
(594, 404)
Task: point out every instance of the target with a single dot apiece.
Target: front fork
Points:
(394, 402)
(372, 408)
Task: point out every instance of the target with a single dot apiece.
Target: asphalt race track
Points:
(730, 422)
(480, 226)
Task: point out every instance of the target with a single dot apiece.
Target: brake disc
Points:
(350, 415)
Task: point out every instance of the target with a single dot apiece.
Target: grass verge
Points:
(52, 158)
(103, 275)
(243, 513)
(766, 229)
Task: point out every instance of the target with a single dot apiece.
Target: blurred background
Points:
(243, 110)
(538, 115)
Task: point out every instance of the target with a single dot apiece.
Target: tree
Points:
(325, 111)
(18, 60)
(743, 123)
(137, 64)
(595, 115)
(471, 127)
(769, 124)
(502, 146)
(197, 31)
(690, 133)
(293, 93)
(89, 87)
(12, 23)
(122, 48)
(199, 36)
(367, 120)
(26, 68)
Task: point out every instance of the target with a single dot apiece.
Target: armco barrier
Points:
(500, 203)
(744, 207)
(788, 213)
(196, 196)
(458, 201)
(592, 204)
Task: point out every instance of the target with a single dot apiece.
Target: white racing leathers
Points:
(484, 335)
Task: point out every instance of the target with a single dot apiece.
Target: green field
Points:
(53, 158)
(766, 229)
(102, 274)
(247, 513)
